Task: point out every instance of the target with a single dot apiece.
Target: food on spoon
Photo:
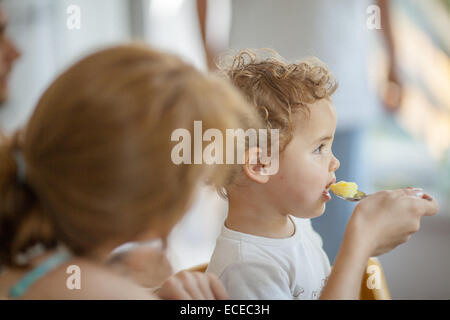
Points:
(344, 189)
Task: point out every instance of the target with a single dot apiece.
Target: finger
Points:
(173, 290)
(204, 285)
(422, 206)
(217, 287)
(410, 191)
(179, 294)
(427, 197)
(433, 206)
(418, 192)
(190, 284)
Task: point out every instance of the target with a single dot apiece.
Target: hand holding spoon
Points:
(349, 191)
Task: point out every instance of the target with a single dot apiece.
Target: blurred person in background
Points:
(8, 56)
(336, 32)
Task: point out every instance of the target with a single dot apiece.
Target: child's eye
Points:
(319, 149)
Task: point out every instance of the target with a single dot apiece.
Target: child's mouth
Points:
(325, 193)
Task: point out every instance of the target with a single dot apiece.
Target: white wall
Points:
(39, 29)
(173, 26)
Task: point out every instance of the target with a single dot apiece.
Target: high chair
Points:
(374, 273)
(373, 285)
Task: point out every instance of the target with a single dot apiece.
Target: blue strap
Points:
(41, 270)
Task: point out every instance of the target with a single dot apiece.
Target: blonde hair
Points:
(276, 88)
(98, 151)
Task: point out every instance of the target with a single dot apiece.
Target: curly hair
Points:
(278, 89)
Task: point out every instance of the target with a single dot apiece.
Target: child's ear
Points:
(253, 168)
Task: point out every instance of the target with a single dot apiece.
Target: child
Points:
(267, 248)
(93, 169)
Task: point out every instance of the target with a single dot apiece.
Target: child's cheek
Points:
(315, 181)
(288, 186)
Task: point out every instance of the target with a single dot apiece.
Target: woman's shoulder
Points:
(83, 279)
(99, 282)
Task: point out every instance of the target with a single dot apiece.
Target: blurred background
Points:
(400, 144)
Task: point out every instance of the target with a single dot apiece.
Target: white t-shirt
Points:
(253, 267)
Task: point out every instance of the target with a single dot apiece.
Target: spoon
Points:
(359, 195)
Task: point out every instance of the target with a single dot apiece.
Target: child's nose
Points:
(335, 164)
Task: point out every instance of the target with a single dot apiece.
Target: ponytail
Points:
(22, 224)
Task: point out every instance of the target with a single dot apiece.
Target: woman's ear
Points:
(253, 168)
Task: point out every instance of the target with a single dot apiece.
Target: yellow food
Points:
(344, 189)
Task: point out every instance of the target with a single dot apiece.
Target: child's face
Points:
(307, 164)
